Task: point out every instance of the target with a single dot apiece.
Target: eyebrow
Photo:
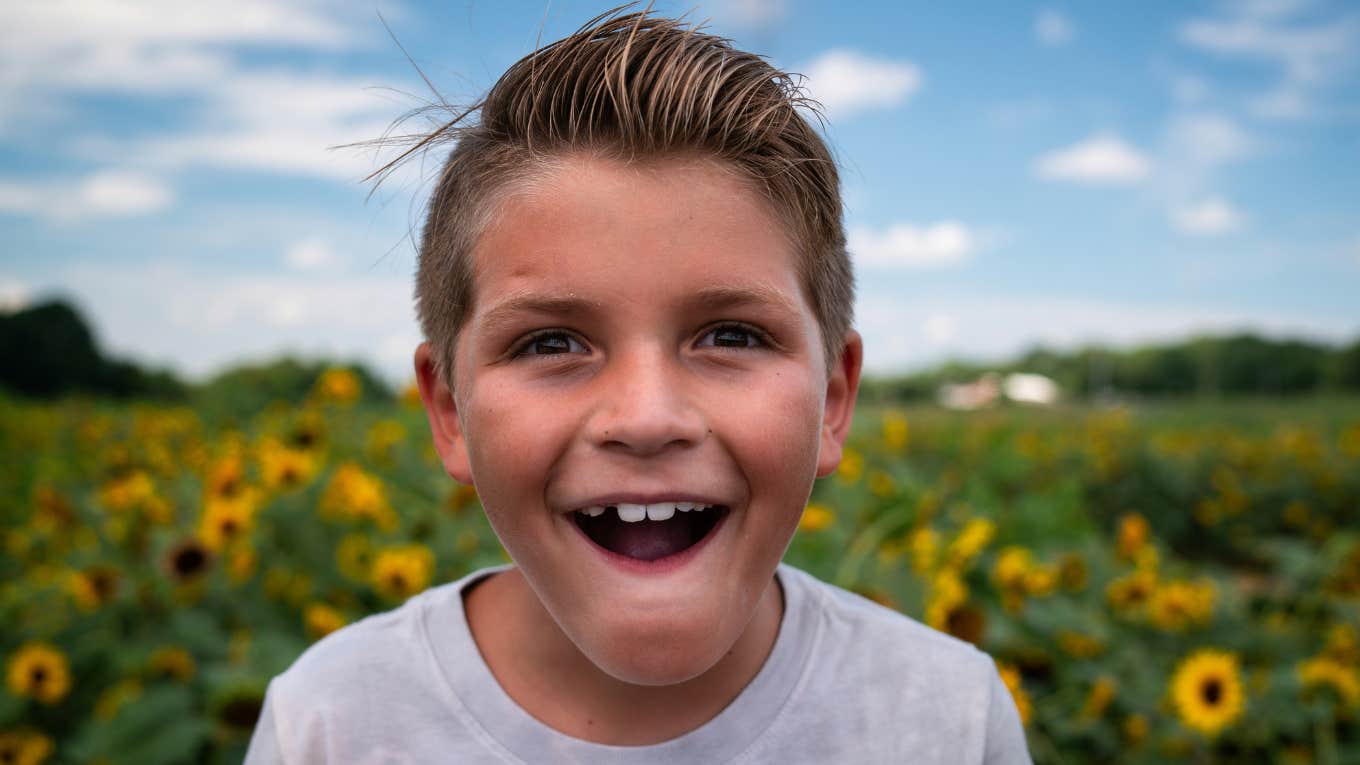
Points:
(716, 298)
(555, 305)
(722, 297)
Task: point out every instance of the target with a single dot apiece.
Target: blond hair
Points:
(632, 87)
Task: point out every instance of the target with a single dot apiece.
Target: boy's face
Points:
(640, 336)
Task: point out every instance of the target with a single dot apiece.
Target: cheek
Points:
(780, 432)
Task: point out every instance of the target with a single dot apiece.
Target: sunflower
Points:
(1102, 693)
(94, 586)
(1326, 672)
(924, 544)
(896, 431)
(40, 671)
(460, 498)
(1132, 536)
(226, 479)
(283, 466)
(321, 620)
(188, 560)
(172, 662)
(1207, 691)
(851, 468)
(975, 535)
(1131, 591)
(1177, 604)
(1011, 677)
(947, 593)
(354, 494)
(816, 517)
(337, 386)
(354, 556)
(400, 572)
(224, 520)
(24, 747)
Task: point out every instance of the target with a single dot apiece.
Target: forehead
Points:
(599, 226)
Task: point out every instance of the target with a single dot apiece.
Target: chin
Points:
(655, 655)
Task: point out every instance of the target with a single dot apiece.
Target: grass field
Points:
(1159, 582)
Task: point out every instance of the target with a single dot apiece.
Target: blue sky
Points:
(1014, 173)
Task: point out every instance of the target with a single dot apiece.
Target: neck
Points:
(554, 682)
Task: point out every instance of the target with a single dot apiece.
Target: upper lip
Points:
(648, 498)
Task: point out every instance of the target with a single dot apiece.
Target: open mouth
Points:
(649, 532)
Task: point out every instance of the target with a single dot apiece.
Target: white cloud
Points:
(1307, 52)
(280, 122)
(942, 244)
(1311, 52)
(14, 295)
(111, 193)
(901, 334)
(151, 45)
(313, 254)
(1208, 217)
(1189, 89)
(1101, 159)
(846, 81)
(1053, 28)
(198, 318)
(1288, 102)
(1207, 140)
(240, 117)
(941, 328)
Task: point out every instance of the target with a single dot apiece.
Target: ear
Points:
(841, 389)
(442, 411)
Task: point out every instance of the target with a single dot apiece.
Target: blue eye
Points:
(732, 336)
(550, 343)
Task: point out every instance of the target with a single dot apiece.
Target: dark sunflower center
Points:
(241, 713)
(1213, 691)
(647, 539)
(39, 675)
(189, 561)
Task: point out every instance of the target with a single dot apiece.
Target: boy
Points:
(636, 295)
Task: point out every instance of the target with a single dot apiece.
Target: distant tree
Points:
(241, 391)
(48, 350)
(1241, 364)
(1347, 367)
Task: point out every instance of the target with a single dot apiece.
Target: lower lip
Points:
(660, 565)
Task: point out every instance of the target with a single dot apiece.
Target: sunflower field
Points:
(1158, 582)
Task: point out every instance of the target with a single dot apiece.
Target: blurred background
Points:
(1015, 174)
(1108, 257)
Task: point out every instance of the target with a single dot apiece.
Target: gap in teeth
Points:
(657, 511)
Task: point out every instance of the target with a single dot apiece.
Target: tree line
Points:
(49, 351)
(1235, 365)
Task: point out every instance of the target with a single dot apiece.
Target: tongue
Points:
(647, 540)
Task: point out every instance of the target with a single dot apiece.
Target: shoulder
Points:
(389, 647)
(925, 694)
(886, 638)
(380, 683)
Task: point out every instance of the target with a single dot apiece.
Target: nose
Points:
(644, 406)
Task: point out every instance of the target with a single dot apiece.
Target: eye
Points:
(550, 343)
(732, 336)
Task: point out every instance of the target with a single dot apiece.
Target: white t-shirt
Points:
(848, 681)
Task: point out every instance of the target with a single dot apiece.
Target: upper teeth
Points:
(656, 511)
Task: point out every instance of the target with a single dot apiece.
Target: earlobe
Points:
(442, 412)
(842, 387)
